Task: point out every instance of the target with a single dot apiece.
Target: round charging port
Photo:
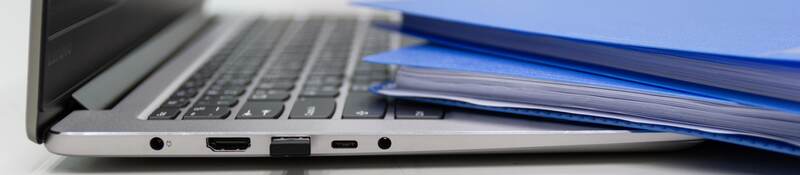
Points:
(156, 143)
(384, 143)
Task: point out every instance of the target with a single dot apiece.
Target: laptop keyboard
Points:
(293, 69)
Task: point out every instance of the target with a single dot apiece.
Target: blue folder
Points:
(763, 35)
(440, 57)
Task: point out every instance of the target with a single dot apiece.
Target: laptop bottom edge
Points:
(300, 145)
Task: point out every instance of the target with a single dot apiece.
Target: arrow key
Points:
(364, 105)
(260, 110)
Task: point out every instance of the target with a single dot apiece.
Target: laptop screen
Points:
(81, 38)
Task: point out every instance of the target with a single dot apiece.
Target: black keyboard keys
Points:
(218, 97)
(176, 103)
(276, 85)
(185, 93)
(269, 95)
(320, 91)
(313, 108)
(164, 114)
(232, 91)
(207, 112)
(410, 110)
(364, 105)
(260, 110)
(324, 80)
(228, 103)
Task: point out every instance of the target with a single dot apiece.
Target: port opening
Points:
(384, 143)
(227, 144)
(344, 144)
(290, 146)
(156, 143)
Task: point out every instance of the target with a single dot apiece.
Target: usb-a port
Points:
(290, 146)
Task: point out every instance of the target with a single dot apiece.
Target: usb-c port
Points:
(339, 144)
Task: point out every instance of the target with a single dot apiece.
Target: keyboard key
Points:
(226, 92)
(410, 110)
(228, 103)
(320, 91)
(331, 63)
(268, 77)
(360, 87)
(336, 72)
(370, 82)
(198, 83)
(164, 114)
(313, 108)
(218, 97)
(207, 112)
(269, 95)
(185, 93)
(226, 86)
(288, 66)
(362, 78)
(175, 103)
(260, 110)
(236, 76)
(324, 80)
(283, 71)
(364, 105)
(232, 82)
(276, 85)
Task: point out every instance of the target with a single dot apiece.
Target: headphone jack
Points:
(156, 143)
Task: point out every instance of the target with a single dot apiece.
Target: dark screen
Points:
(83, 37)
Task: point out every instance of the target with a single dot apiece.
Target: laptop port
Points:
(156, 143)
(290, 146)
(384, 143)
(338, 144)
(225, 144)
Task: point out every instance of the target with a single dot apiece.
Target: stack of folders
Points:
(722, 70)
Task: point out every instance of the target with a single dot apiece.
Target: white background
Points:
(20, 156)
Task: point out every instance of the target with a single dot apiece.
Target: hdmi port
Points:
(225, 144)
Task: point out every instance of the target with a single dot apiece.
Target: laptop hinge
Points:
(107, 88)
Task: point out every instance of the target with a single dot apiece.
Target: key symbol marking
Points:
(310, 111)
(248, 113)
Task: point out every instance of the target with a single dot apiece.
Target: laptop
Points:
(164, 78)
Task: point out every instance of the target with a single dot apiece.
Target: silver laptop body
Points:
(162, 78)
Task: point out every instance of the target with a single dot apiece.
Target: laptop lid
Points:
(73, 41)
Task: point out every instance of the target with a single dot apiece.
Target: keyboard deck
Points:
(294, 69)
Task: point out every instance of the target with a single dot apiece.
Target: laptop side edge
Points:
(34, 51)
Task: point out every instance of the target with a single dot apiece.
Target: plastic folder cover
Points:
(756, 30)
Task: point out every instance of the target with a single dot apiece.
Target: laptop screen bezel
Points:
(39, 118)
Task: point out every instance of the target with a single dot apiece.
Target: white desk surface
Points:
(20, 156)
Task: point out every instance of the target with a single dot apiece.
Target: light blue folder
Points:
(746, 51)
(439, 57)
(764, 30)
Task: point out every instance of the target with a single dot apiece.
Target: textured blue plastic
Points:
(766, 30)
